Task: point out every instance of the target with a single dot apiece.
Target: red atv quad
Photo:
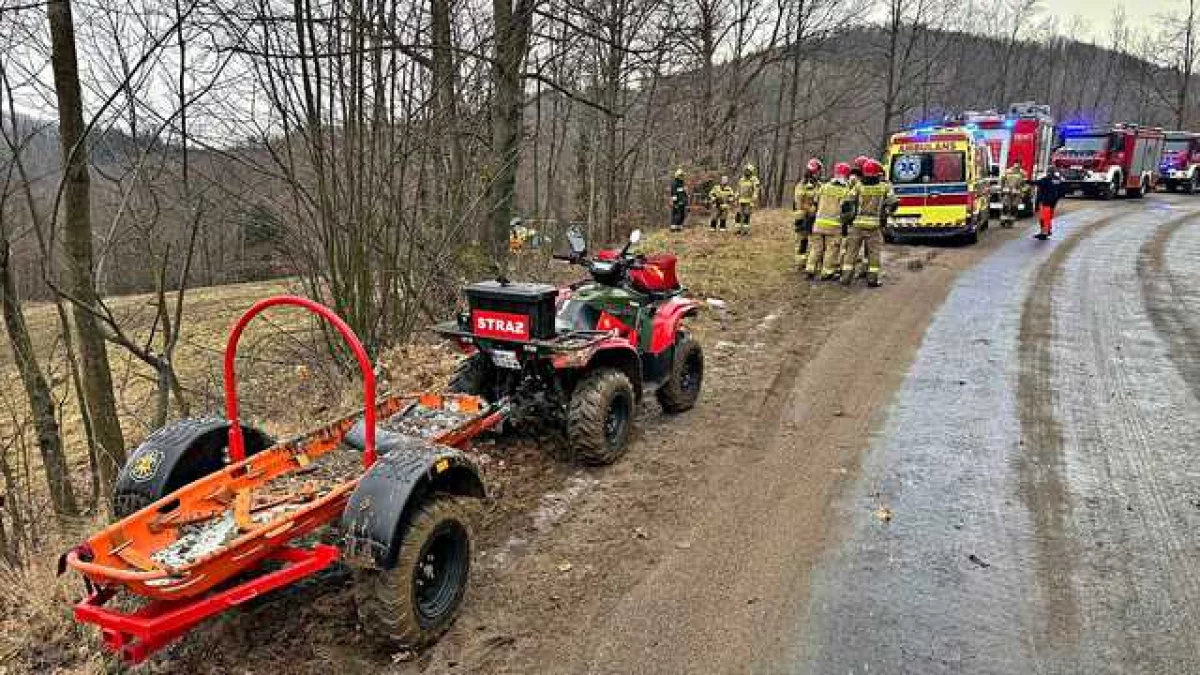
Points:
(581, 358)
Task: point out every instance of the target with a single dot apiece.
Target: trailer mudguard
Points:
(181, 452)
(408, 471)
(667, 320)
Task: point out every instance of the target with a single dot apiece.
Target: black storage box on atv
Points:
(512, 311)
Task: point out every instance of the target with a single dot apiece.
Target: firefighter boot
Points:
(873, 279)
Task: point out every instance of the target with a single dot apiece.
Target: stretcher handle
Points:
(237, 446)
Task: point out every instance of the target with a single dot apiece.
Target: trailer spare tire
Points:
(416, 600)
(181, 452)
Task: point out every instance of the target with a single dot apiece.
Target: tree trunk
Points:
(512, 27)
(37, 390)
(77, 243)
(1186, 67)
(444, 83)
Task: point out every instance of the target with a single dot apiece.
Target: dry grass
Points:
(287, 386)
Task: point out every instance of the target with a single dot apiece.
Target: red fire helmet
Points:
(860, 161)
(872, 168)
(815, 166)
(841, 170)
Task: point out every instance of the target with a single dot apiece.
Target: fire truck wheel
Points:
(600, 416)
(1112, 189)
(1139, 191)
(417, 600)
(1193, 184)
(682, 388)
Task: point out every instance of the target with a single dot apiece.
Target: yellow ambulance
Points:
(941, 176)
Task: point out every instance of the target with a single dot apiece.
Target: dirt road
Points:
(986, 467)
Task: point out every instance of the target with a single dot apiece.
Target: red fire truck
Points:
(1107, 161)
(1180, 165)
(1024, 135)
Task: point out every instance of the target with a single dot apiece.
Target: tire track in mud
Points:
(1162, 291)
(1040, 466)
(1137, 459)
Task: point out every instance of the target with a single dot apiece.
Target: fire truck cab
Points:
(1024, 136)
(1179, 168)
(1108, 161)
(941, 178)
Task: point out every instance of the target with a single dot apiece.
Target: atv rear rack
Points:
(563, 342)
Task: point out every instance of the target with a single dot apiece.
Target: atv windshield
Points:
(1085, 145)
(928, 167)
(576, 315)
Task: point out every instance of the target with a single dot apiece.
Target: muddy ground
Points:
(693, 552)
(986, 466)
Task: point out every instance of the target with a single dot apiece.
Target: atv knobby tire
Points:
(472, 376)
(417, 600)
(682, 388)
(600, 416)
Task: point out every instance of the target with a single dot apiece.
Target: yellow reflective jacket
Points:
(747, 192)
(721, 195)
(872, 202)
(831, 198)
(1014, 179)
(804, 197)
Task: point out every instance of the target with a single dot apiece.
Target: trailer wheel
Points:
(182, 452)
(600, 416)
(417, 600)
(682, 388)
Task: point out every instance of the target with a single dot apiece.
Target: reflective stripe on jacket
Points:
(830, 199)
(748, 191)
(804, 198)
(873, 200)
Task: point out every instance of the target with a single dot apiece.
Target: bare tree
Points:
(96, 377)
(512, 28)
(37, 388)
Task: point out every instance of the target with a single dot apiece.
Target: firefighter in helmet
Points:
(721, 197)
(679, 201)
(874, 199)
(834, 201)
(1012, 192)
(804, 207)
(747, 196)
(856, 169)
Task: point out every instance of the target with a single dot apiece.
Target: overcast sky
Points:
(1098, 13)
